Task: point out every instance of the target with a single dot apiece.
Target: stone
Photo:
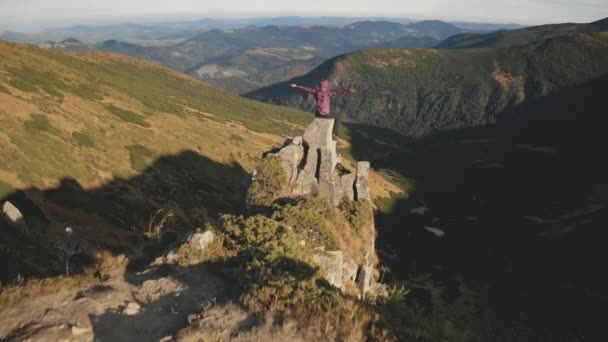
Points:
(132, 309)
(14, 216)
(362, 183)
(81, 330)
(317, 139)
(327, 178)
(347, 185)
(350, 269)
(201, 241)
(297, 141)
(331, 263)
(291, 158)
(366, 270)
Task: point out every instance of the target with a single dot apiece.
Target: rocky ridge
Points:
(312, 168)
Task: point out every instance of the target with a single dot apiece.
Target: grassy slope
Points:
(103, 141)
(56, 97)
(422, 91)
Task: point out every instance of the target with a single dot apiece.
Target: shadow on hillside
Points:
(524, 209)
(114, 216)
(204, 288)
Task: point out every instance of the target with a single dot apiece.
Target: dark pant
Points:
(336, 117)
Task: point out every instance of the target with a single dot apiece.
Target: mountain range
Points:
(421, 92)
(245, 59)
(489, 180)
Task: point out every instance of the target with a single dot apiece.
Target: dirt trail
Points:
(148, 306)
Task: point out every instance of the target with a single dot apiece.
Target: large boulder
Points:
(318, 144)
(14, 216)
(291, 157)
(362, 183)
(331, 264)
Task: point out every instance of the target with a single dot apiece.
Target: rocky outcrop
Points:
(14, 217)
(311, 166)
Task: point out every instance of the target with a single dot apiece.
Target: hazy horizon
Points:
(31, 15)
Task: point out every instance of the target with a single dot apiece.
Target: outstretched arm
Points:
(306, 89)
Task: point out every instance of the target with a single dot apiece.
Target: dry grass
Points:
(107, 266)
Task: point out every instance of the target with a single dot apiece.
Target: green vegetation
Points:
(5, 189)
(23, 86)
(162, 90)
(358, 213)
(83, 139)
(128, 116)
(267, 185)
(29, 79)
(40, 123)
(311, 219)
(272, 268)
(139, 156)
(422, 92)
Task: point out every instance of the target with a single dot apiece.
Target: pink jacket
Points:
(323, 96)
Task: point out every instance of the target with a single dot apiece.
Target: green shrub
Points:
(398, 319)
(83, 139)
(128, 116)
(52, 91)
(268, 182)
(271, 267)
(139, 156)
(358, 213)
(311, 219)
(5, 189)
(23, 85)
(39, 123)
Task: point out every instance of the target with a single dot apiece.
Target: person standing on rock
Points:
(323, 96)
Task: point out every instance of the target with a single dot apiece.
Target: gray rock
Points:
(291, 158)
(366, 271)
(14, 216)
(132, 309)
(81, 330)
(362, 183)
(201, 241)
(331, 263)
(316, 136)
(350, 269)
(347, 184)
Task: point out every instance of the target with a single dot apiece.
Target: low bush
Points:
(128, 116)
(268, 183)
(358, 213)
(271, 267)
(23, 85)
(310, 219)
(139, 156)
(83, 139)
(40, 123)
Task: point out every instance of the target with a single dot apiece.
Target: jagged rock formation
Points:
(311, 168)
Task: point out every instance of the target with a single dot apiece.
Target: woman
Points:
(323, 96)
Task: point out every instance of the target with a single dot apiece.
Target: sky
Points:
(32, 14)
